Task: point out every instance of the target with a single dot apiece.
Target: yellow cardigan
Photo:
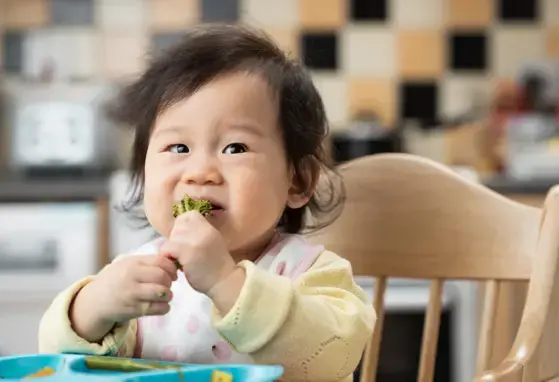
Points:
(316, 328)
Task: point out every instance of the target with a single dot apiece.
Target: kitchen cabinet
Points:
(72, 216)
(19, 323)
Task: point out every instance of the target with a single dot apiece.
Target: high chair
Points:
(410, 217)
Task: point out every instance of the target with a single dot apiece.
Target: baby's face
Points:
(222, 144)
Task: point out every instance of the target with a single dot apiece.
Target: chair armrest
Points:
(506, 371)
(540, 310)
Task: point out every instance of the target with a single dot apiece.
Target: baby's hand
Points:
(133, 287)
(201, 251)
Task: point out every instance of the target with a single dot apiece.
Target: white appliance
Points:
(44, 247)
(58, 126)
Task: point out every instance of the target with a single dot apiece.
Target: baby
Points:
(226, 117)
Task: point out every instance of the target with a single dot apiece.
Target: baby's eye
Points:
(235, 148)
(179, 149)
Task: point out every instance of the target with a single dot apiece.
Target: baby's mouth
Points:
(217, 209)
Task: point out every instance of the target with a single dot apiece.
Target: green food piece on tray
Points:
(124, 364)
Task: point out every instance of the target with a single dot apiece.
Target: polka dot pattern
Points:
(193, 324)
(170, 354)
(222, 351)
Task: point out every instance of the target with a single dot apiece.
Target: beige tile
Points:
(460, 93)
(124, 54)
(552, 43)
(3, 11)
(333, 90)
(550, 11)
(514, 47)
(420, 54)
(73, 53)
(322, 14)
(417, 14)
(469, 13)
(368, 51)
(377, 95)
(23, 13)
(172, 14)
(121, 14)
(275, 14)
(287, 40)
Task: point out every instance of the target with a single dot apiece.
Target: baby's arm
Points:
(56, 334)
(316, 327)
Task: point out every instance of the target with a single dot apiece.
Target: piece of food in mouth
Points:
(188, 204)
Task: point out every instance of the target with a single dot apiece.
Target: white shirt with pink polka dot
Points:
(186, 334)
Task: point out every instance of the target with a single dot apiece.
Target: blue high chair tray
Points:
(74, 367)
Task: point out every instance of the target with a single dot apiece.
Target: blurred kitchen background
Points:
(470, 83)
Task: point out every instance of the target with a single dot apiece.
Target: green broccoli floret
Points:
(188, 204)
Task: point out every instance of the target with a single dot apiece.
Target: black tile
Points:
(468, 51)
(72, 12)
(220, 10)
(12, 56)
(419, 100)
(320, 50)
(373, 10)
(518, 10)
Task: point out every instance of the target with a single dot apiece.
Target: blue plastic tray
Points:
(70, 367)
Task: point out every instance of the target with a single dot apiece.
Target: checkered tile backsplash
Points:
(397, 58)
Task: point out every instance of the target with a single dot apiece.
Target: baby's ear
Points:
(304, 180)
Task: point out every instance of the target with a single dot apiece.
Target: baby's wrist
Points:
(225, 293)
(85, 318)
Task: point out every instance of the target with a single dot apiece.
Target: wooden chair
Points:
(410, 217)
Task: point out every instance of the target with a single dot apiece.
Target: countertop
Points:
(506, 185)
(18, 188)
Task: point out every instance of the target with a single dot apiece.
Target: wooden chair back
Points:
(410, 217)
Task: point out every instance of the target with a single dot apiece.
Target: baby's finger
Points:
(153, 308)
(170, 268)
(165, 264)
(153, 275)
(148, 292)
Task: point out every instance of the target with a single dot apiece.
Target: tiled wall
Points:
(399, 58)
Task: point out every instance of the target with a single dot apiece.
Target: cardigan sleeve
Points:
(317, 326)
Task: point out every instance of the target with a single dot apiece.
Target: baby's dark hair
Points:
(211, 50)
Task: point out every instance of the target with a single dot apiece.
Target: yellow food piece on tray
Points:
(45, 372)
(220, 376)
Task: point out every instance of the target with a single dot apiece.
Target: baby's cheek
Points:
(158, 214)
(260, 191)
